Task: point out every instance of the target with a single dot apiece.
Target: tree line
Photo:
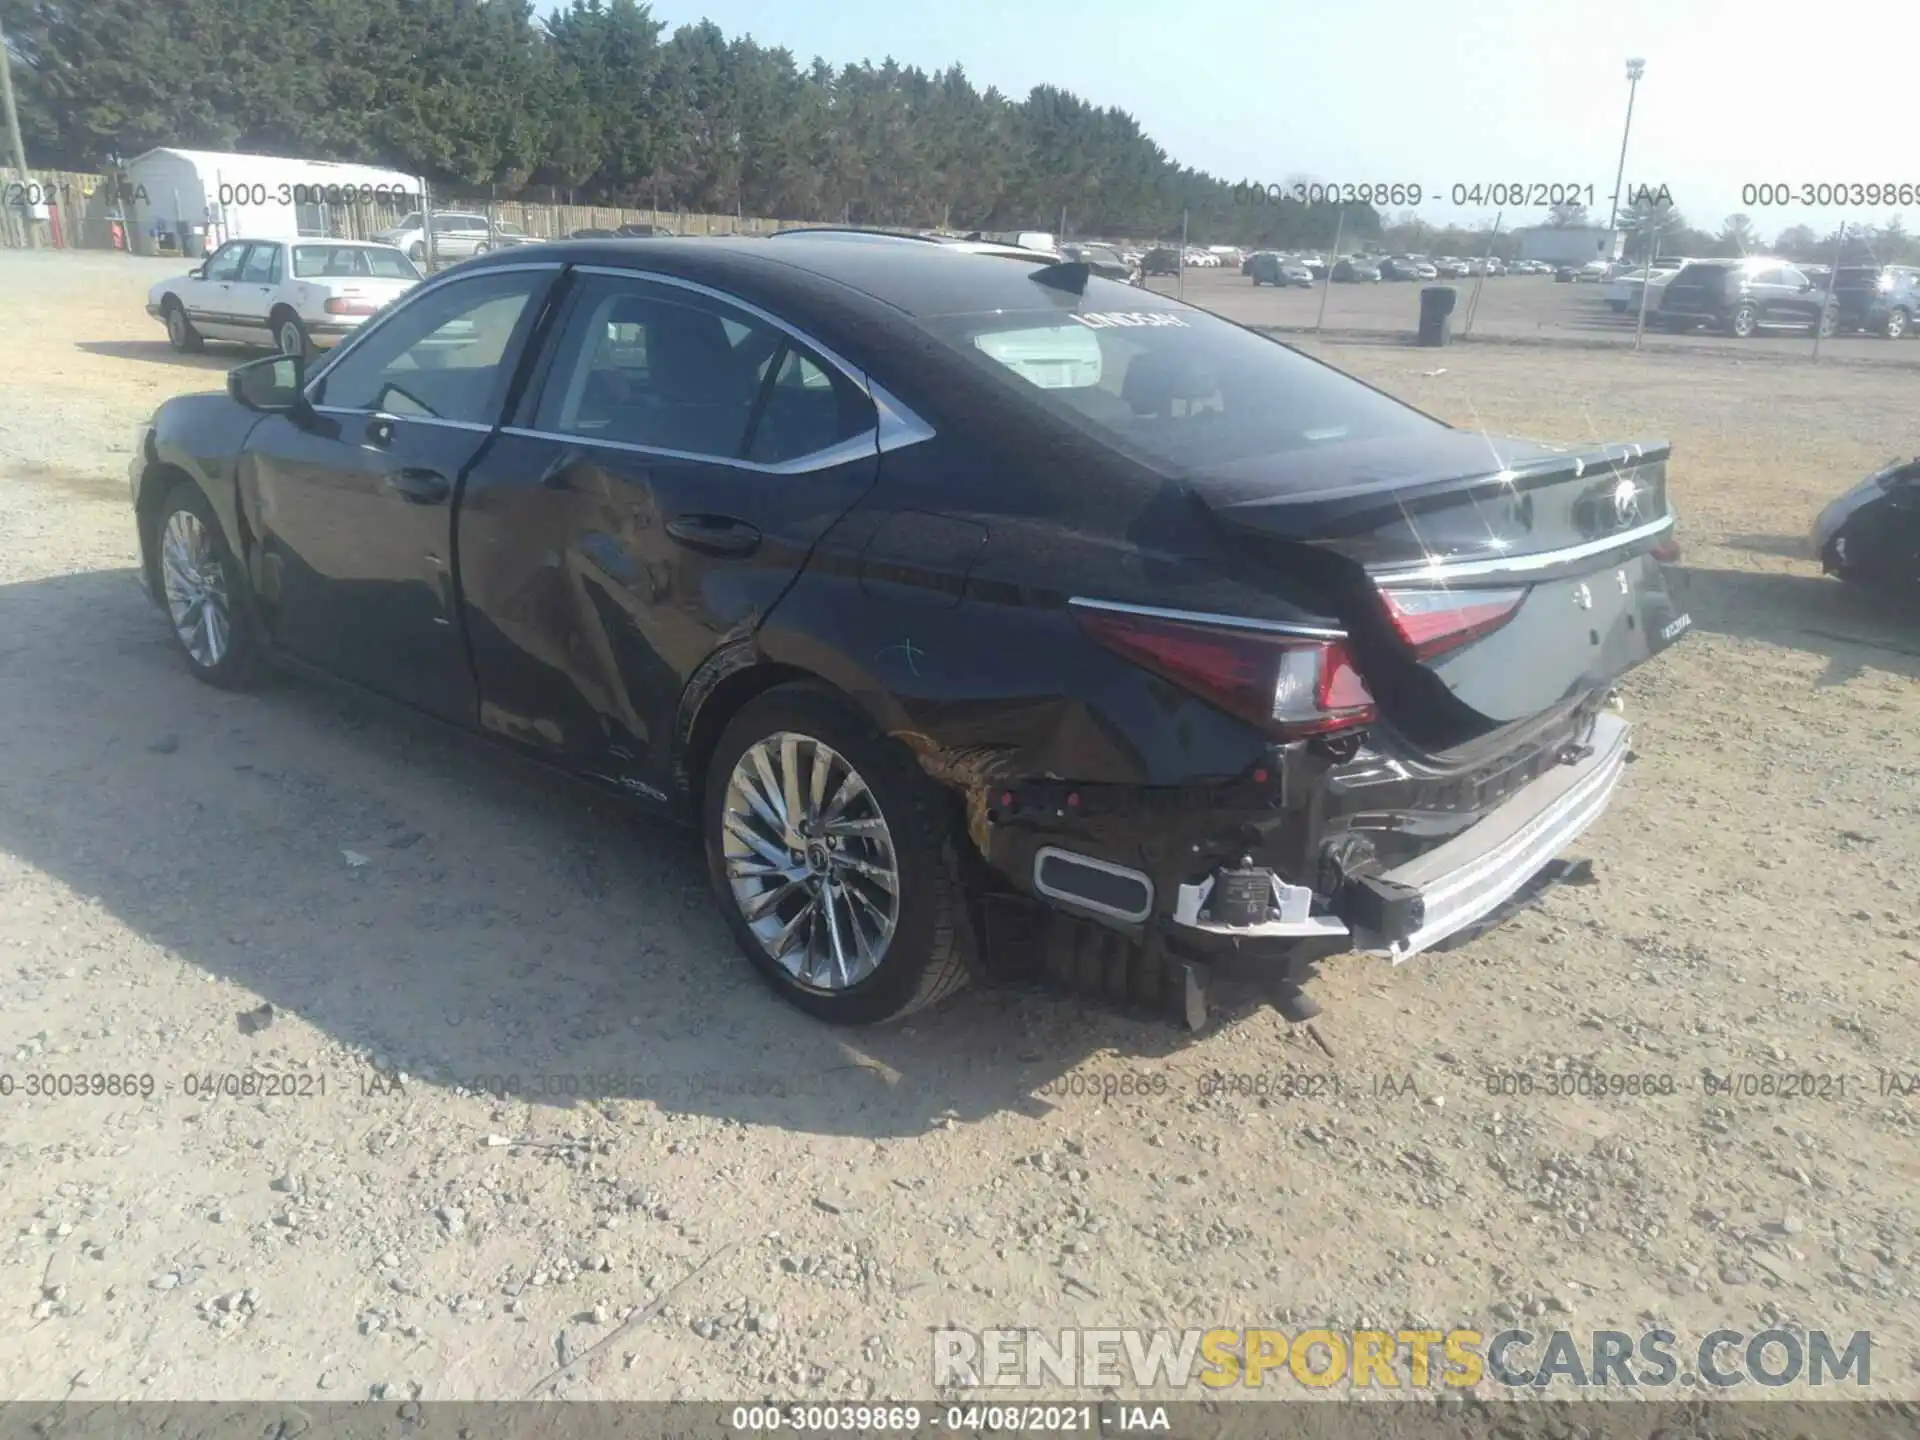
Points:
(596, 103)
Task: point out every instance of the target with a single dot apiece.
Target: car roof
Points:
(909, 275)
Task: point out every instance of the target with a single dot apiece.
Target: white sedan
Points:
(294, 296)
(1623, 292)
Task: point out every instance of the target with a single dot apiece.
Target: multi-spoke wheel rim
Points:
(1896, 324)
(176, 325)
(196, 588)
(810, 861)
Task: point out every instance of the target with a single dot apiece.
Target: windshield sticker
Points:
(1108, 319)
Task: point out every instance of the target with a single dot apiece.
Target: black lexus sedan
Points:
(935, 588)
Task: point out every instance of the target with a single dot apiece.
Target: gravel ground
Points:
(421, 915)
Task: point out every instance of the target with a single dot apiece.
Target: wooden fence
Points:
(87, 212)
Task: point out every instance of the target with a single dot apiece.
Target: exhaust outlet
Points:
(1096, 886)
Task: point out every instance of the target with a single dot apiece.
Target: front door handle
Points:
(714, 534)
(420, 487)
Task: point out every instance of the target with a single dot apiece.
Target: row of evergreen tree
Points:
(597, 103)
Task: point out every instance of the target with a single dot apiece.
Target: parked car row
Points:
(457, 235)
(1749, 296)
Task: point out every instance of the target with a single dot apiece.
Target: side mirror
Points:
(198, 272)
(270, 385)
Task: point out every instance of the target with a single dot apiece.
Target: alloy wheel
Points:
(176, 325)
(810, 861)
(1896, 324)
(1745, 321)
(196, 589)
(290, 343)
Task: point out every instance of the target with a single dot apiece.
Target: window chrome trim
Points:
(473, 425)
(841, 452)
(898, 425)
(432, 282)
(1447, 570)
(1198, 617)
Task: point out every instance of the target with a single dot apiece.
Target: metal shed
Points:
(265, 197)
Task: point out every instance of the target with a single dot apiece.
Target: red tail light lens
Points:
(1289, 687)
(1436, 621)
(338, 306)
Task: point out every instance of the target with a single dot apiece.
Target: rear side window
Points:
(1180, 387)
(332, 262)
(662, 368)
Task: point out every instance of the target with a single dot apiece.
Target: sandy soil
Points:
(171, 857)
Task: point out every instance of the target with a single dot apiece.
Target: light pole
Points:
(1635, 69)
(13, 135)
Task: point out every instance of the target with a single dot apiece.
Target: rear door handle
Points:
(420, 487)
(714, 534)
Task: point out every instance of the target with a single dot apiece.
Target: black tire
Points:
(930, 953)
(238, 663)
(180, 332)
(1897, 325)
(1744, 323)
(290, 335)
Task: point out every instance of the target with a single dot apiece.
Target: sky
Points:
(1462, 92)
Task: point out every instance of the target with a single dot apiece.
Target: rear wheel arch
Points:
(277, 320)
(725, 683)
(723, 686)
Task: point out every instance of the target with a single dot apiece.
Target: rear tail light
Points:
(339, 306)
(1436, 621)
(1290, 687)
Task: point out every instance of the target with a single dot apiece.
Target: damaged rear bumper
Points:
(1450, 887)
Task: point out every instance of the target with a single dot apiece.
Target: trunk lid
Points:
(1483, 580)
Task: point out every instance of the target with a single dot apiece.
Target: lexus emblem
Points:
(1583, 597)
(1626, 502)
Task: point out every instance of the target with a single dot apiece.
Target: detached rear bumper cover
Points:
(1473, 874)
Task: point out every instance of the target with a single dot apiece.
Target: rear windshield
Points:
(1180, 388)
(325, 262)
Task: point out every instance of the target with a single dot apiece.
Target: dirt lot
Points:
(1513, 309)
(171, 856)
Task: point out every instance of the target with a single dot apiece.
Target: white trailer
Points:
(259, 197)
(1570, 245)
